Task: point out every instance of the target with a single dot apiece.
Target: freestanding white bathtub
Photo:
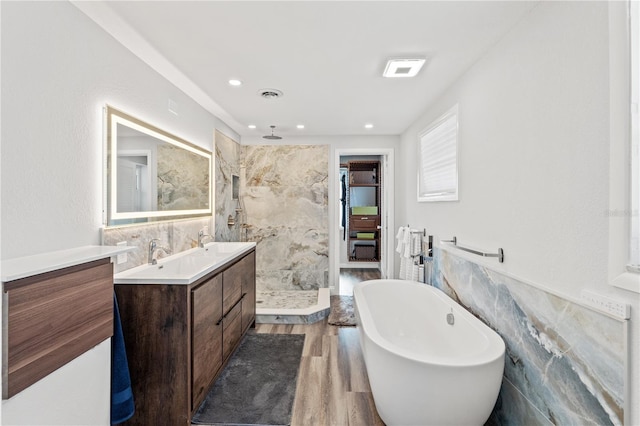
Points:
(423, 370)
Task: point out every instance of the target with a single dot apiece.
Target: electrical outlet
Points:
(121, 258)
(173, 106)
(605, 304)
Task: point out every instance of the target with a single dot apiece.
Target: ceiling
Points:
(327, 57)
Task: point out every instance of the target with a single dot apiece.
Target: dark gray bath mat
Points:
(342, 312)
(258, 384)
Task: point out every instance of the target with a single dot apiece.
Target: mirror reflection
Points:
(153, 175)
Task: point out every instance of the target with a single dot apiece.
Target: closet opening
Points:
(362, 218)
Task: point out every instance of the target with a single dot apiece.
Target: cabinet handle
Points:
(231, 309)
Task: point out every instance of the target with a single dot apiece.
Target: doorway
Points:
(345, 261)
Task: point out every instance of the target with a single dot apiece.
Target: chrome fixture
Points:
(453, 241)
(272, 136)
(450, 318)
(202, 236)
(153, 251)
(499, 254)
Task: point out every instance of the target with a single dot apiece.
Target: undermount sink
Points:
(220, 249)
(185, 267)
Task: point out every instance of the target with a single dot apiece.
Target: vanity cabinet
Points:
(56, 306)
(180, 336)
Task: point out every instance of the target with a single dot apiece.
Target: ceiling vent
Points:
(270, 93)
(403, 67)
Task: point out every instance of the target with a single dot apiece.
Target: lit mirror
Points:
(153, 175)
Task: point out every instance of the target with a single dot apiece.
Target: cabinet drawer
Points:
(364, 222)
(232, 288)
(52, 318)
(206, 336)
(232, 330)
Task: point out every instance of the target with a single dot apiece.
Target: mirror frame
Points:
(113, 117)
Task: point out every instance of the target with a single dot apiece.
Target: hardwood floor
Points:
(333, 388)
(350, 276)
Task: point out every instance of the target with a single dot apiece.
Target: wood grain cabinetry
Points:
(52, 318)
(364, 202)
(179, 337)
(206, 343)
(248, 271)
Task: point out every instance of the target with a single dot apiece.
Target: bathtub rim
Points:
(496, 347)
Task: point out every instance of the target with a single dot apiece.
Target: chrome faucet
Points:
(202, 236)
(153, 251)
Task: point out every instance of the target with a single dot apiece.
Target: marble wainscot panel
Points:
(227, 164)
(565, 363)
(178, 236)
(285, 195)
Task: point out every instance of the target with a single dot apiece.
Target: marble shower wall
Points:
(177, 236)
(285, 194)
(183, 179)
(565, 363)
(227, 164)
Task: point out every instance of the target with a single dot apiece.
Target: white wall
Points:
(58, 71)
(533, 157)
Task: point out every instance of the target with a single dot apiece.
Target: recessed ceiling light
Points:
(403, 67)
(368, 126)
(300, 126)
(234, 82)
(251, 126)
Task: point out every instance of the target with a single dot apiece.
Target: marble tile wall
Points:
(285, 194)
(183, 179)
(565, 363)
(227, 164)
(177, 236)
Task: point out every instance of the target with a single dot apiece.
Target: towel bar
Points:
(499, 254)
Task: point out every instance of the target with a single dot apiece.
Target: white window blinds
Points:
(634, 215)
(438, 168)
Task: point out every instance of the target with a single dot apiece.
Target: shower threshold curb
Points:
(308, 315)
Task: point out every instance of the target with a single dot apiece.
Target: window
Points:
(438, 168)
(624, 148)
(634, 201)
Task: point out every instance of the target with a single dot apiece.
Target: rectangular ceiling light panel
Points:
(403, 67)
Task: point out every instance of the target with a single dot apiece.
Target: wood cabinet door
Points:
(206, 336)
(232, 331)
(53, 318)
(232, 283)
(247, 268)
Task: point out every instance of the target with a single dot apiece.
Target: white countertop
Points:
(186, 267)
(22, 267)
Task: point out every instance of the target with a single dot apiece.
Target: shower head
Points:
(272, 136)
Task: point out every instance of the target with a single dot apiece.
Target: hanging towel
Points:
(400, 238)
(122, 407)
(405, 266)
(408, 234)
(416, 239)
